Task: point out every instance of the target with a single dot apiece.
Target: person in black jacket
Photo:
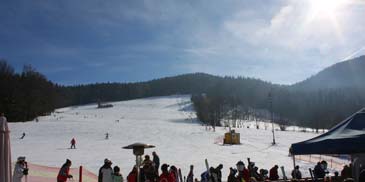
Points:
(319, 171)
(232, 175)
(105, 171)
(156, 161)
(296, 174)
(218, 171)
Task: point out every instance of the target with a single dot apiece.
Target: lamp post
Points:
(138, 151)
(272, 118)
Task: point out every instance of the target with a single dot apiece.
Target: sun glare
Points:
(325, 8)
(326, 13)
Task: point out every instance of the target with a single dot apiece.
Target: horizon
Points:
(282, 42)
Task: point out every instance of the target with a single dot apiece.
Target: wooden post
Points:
(294, 161)
(80, 174)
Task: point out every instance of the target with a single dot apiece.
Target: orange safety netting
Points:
(332, 161)
(38, 173)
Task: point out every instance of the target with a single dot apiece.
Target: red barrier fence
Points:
(39, 173)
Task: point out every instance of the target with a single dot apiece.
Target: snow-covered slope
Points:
(166, 122)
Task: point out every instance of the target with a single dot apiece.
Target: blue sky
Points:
(87, 41)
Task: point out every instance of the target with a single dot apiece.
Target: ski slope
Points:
(166, 122)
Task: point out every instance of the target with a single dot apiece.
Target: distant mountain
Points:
(347, 74)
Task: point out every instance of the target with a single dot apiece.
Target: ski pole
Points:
(26, 176)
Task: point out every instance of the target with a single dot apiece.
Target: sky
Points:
(87, 41)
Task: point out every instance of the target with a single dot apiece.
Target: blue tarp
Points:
(348, 137)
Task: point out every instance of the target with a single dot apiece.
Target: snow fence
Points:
(39, 173)
(334, 162)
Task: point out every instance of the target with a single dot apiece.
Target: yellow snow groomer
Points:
(231, 138)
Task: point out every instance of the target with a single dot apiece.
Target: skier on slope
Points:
(23, 135)
(73, 143)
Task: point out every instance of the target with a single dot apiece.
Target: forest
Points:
(29, 94)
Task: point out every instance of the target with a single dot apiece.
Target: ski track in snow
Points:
(162, 121)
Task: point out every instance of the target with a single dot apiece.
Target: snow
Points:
(166, 122)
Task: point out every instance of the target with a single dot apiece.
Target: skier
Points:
(105, 171)
(190, 177)
(20, 169)
(116, 176)
(156, 161)
(64, 172)
(23, 135)
(73, 143)
(274, 175)
(106, 136)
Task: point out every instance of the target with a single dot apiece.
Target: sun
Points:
(325, 8)
(326, 13)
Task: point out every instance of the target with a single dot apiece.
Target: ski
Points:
(283, 172)
(180, 175)
(207, 166)
(311, 173)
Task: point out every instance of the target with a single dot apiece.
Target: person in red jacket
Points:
(173, 174)
(64, 172)
(274, 173)
(165, 176)
(132, 176)
(243, 173)
(73, 143)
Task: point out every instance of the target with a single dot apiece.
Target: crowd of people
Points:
(149, 172)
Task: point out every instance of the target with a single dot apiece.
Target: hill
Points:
(346, 74)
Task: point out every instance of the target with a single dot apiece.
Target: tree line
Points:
(241, 98)
(26, 95)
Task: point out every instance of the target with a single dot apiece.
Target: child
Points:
(116, 176)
